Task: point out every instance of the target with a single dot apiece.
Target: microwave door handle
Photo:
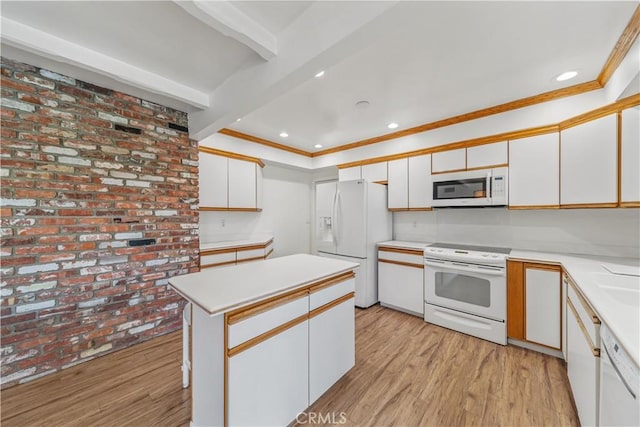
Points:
(465, 268)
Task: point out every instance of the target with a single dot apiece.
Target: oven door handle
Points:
(491, 271)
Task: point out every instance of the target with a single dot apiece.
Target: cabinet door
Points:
(331, 347)
(420, 187)
(349, 174)
(401, 287)
(398, 184)
(452, 160)
(542, 306)
(375, 172)
(213, 180)
(582, 370)
(630, 167)
(488, 155)
(268, 390)
(588, 168)
(534, 171)
(242, 184)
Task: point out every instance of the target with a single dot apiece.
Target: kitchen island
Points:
(269, 337)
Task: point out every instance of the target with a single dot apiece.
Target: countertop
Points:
(621, 317)
(404, 244)
(219, 290)
(235, 243)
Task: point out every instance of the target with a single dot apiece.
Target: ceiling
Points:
(414, 61)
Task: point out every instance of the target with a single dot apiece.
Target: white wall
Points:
(610, 232)
(286, 214)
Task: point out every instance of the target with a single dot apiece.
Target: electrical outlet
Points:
(415, 224)
(222, 222)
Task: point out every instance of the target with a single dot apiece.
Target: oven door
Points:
(470, 288)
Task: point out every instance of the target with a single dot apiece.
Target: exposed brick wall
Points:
(86, 171)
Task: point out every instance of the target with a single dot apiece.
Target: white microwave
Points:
(481, 187)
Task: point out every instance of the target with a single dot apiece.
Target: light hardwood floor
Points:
(407, 373)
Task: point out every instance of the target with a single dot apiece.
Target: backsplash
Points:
(608, 232)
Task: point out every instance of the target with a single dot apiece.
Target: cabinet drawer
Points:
(411, 257)
(253, 253)
(585, 313)
(243, 329)
(326, 295)
(217, 259)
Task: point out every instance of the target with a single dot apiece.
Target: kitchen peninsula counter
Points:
(298, 307)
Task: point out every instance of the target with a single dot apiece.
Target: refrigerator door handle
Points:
(333, 218)
(336, 224)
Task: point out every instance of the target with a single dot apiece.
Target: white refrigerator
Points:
(351, 217)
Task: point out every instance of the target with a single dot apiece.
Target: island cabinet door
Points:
(331, 337)
(268, 373)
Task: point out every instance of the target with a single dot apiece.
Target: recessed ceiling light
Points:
(284, 134)
(318, 146)
(392, 125)
(319, 74)
(238, 119)
(566, 76)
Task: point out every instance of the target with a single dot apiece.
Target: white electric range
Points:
(465, 289)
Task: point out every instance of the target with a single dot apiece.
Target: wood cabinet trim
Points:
(255, 258)
(583, 301)
(589, 205)
(404, 264)
(381, 182)
(594, 350)
(220, 209)
(265, 336)
(252, 310)
(330, 305)
(268, 254)
(217, 264)
(206, 252)
(630, 204)
(263, 141)
(449, 171)
(401, 250)
(542, 266)
(231, 155)
(315, 287)
(522, 207)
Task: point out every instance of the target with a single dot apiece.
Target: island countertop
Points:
(222, 289)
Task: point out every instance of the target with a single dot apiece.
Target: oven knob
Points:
(485, 255)
(494, 256)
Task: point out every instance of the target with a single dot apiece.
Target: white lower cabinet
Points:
(583, 371)
(269, 383)
(583, 355)
(543, 306)
(331, 349)
(401, 280)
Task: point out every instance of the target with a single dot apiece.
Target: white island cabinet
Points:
(269, 337)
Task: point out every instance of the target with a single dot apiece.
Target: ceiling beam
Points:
(32, 40)
(230, 21)
(323, 35)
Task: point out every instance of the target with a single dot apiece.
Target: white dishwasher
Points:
(619, 384)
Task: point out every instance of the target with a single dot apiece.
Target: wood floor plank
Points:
(407, 373)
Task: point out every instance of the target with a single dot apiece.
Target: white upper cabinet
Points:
(534, 171)
(228, 184)
(375, 172)
(488, 155)
(589, 164)
(630, 167)
(450, 160)
(242, 184)
(398, 180)
(349, 174)
(213, 180)
(420, 188)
